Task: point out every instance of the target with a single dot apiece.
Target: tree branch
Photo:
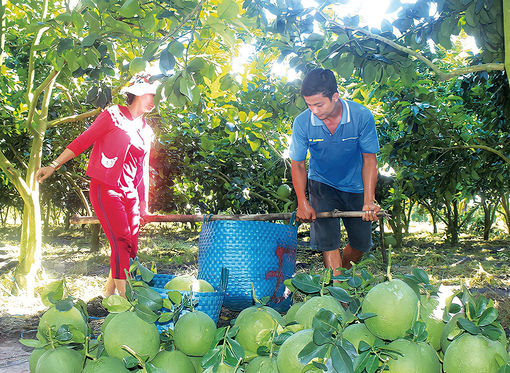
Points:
(483, 147)
(441, 75)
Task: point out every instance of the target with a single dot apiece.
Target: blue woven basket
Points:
(209, 303)
(255, 252)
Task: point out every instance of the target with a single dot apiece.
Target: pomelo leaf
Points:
(228, 9)
(311, 351)
(491, 332)
(64, 305)
(421, 275)
(35, 343)
(322, 337)
(340, 360)
(355, 282)
(165, 317)
(305, 283)
(468, 326)
(116, 304)
(488, 316)
(237, 349)
(339, 294)
(325, 320)
(147, 274)
(89, 40)
(364, 316)
(145, 313)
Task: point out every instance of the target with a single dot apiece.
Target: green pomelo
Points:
(417, 357)
(137, 64)
(61, 359)
(450, 331)
(287, 359)
(355, 333)
(194, 333)
(188, 283)
(54, 318)
(276, 315)
(435, 329)
(173, 361)
(262, 364)
(222, 368)
(290, 316)
(130, 330)
(255, 328)
(34, 358)
(396, 307)
(284, 191)
(474, 354)
(107, 320)
(305, 314)
(197, 363)
(105, 364)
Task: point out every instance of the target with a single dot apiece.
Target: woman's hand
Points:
(43, 173)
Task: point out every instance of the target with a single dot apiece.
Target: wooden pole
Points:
(253, 217)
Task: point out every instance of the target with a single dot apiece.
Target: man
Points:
(342, 140)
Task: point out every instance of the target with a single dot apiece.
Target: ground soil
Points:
(483, 266)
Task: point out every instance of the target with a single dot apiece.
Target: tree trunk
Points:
(506, 210)
(46, 228)
(396, 222)
(432, 217)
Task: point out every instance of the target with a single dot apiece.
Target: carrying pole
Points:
(254, 217)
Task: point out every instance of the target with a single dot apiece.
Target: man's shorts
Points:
(325, 233)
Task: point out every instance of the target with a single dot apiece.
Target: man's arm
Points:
(305, 211)
(369, 175)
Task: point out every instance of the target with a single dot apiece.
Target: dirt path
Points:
(14, 356)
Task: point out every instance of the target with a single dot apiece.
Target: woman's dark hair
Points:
(319, 81)
(130, 97)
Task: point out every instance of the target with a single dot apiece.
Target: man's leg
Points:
(333, 260)
(350, 255)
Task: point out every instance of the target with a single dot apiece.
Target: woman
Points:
(119, 172)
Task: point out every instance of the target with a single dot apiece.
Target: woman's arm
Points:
(45, 172)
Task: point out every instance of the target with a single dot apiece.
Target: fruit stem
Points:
(388, 268)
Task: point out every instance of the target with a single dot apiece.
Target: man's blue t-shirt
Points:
(335, 159)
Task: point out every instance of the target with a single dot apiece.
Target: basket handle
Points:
(224, 278)
(207, 218)
(293, 220)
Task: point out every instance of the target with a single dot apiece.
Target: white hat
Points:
(141, 85)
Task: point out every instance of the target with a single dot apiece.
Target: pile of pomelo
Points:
(343, 325)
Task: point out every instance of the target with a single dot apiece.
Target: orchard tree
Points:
(79, 56)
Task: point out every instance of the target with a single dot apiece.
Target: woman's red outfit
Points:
(119, 171)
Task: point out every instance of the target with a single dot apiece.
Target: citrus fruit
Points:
(396, 307)
(474, 354)
(287, 359)
(197, 363)
(173, 361)
(128, 329)
(262, 364)
(54, 318)
(222, 368)
(137, 65)
(290, 316)
(255, 328)
(417, 357)
(194, 333)
(284, 191)
(34, 358)
(434, 330)
(105, 364)
(355, 333)
(305, 314)
(187, 283)
(61, 359)
(107, 320)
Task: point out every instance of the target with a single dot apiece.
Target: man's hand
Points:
(43, 173)
(305, 213)
(371, 209)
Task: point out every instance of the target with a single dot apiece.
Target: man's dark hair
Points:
(319, 81)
